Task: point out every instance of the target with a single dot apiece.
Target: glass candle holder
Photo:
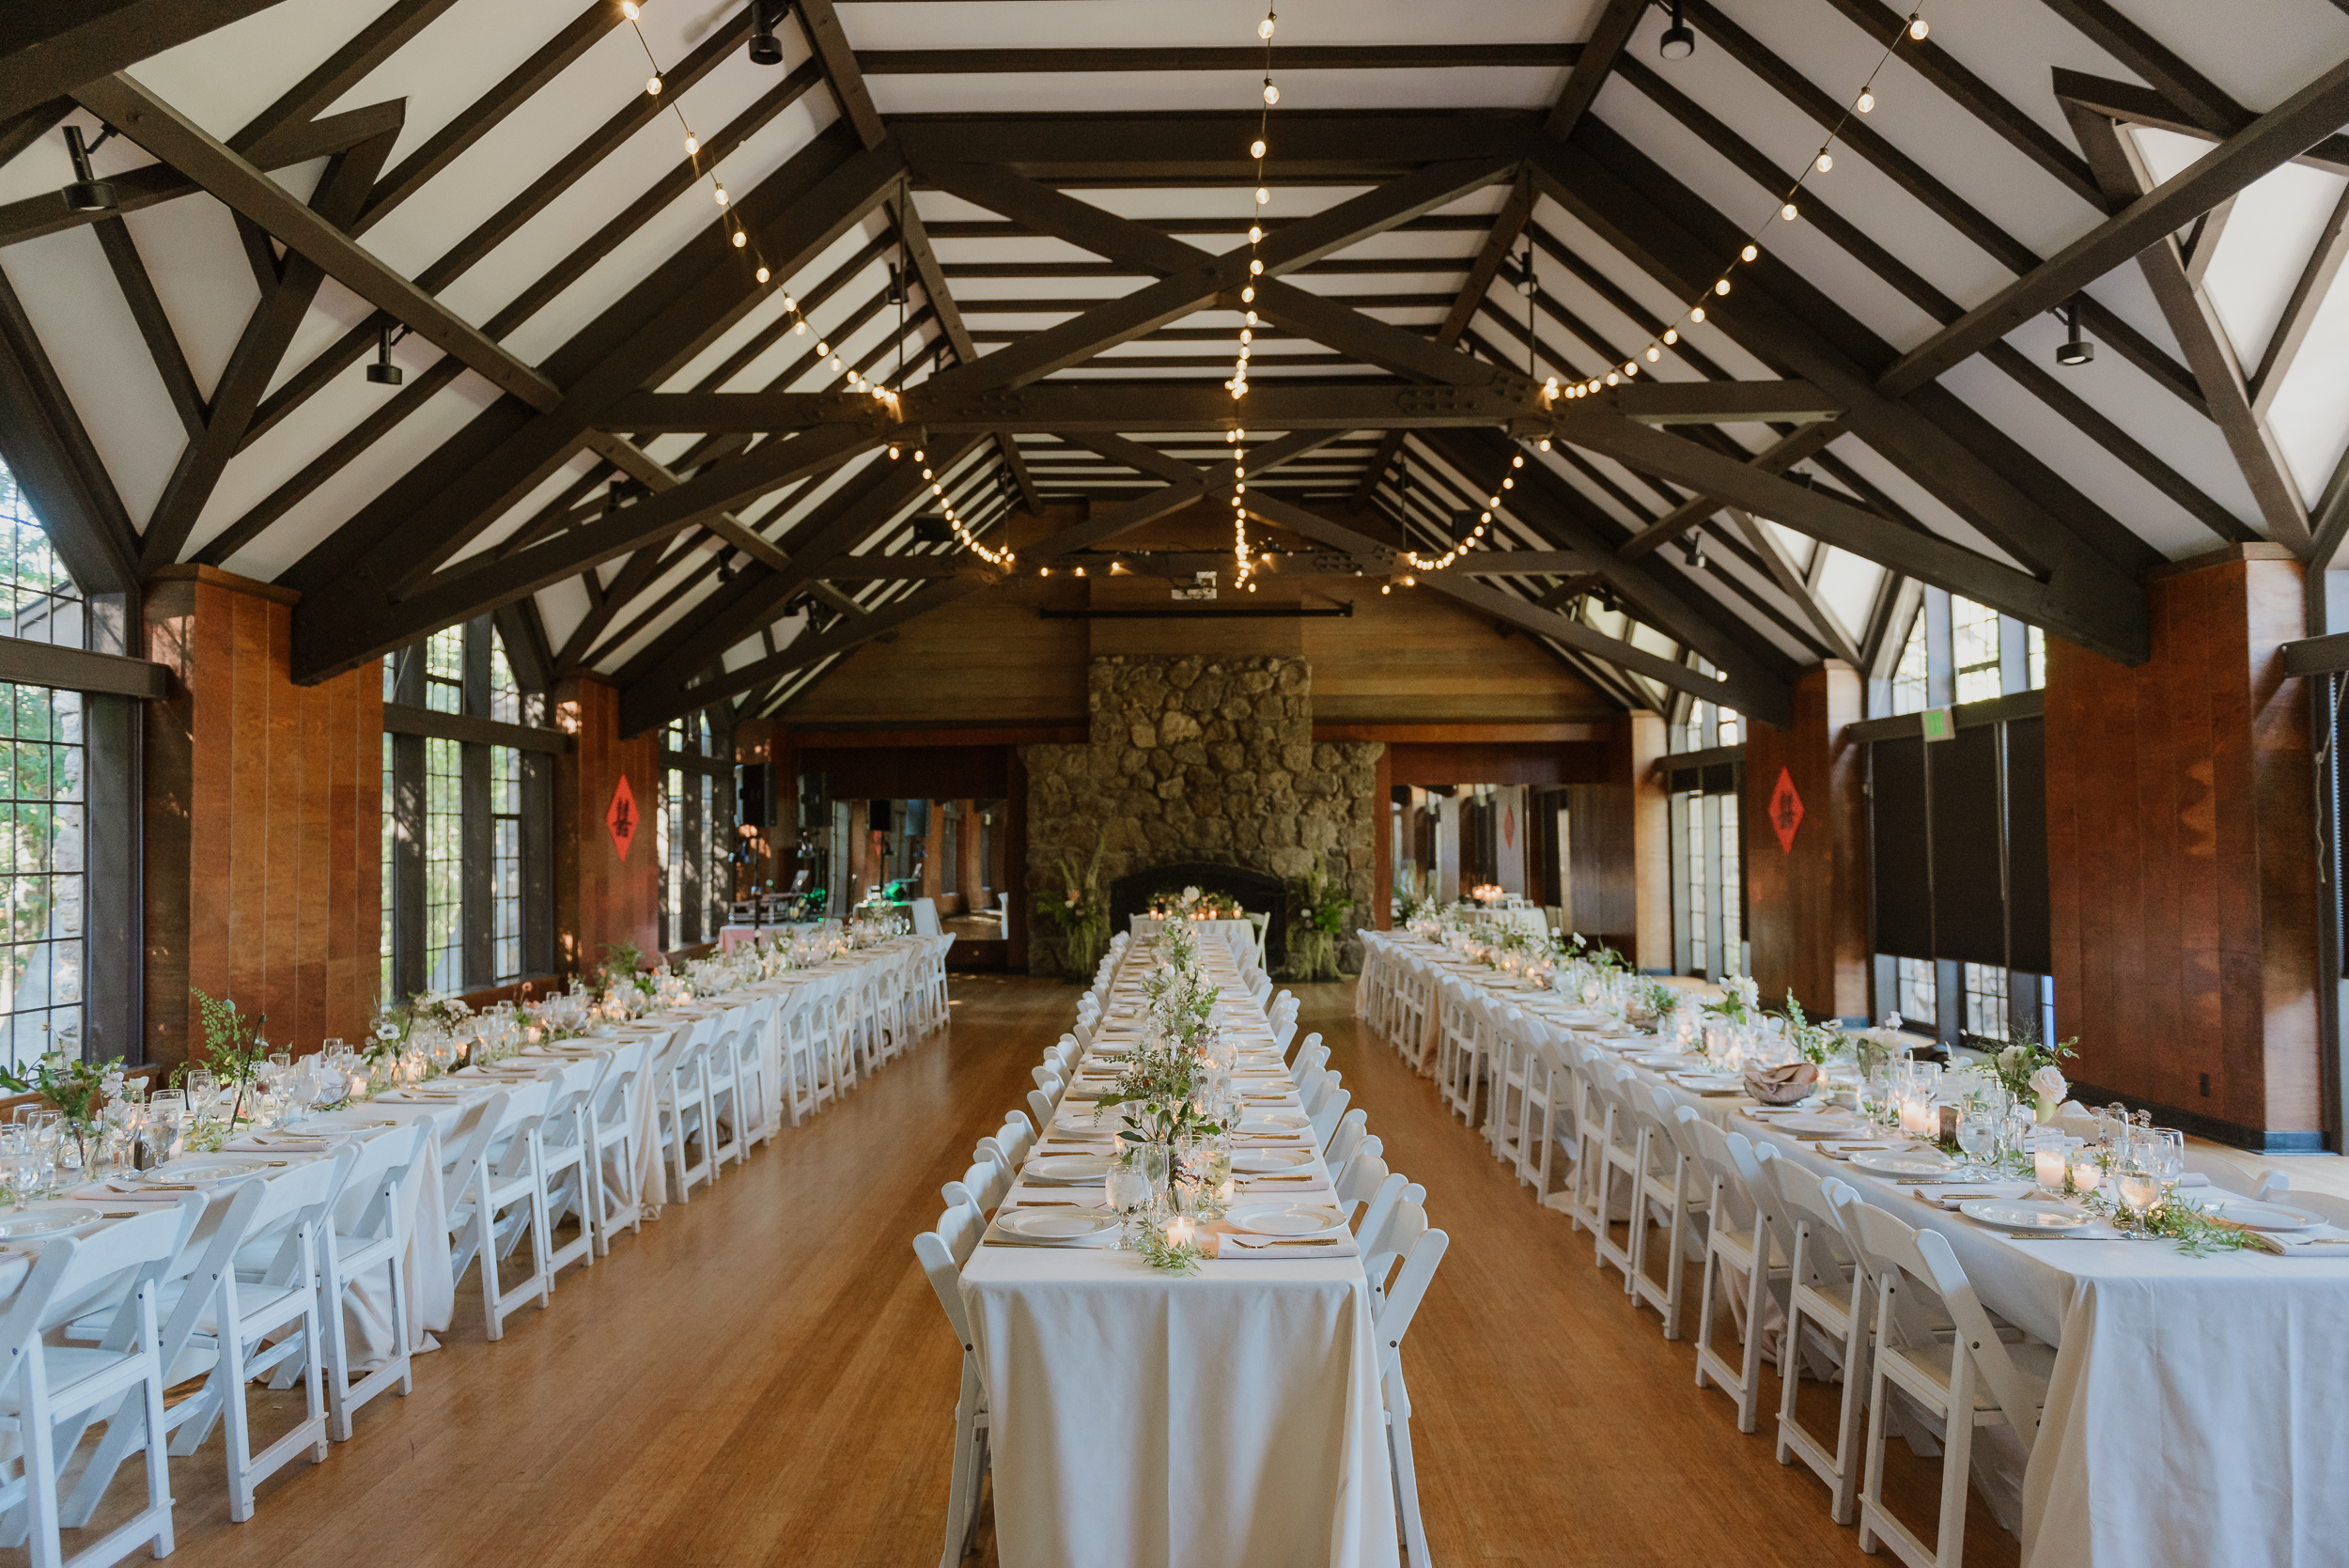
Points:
(2047, 1161)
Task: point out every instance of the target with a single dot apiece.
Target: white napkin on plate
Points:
(1231, 1244)
(1949, 1195)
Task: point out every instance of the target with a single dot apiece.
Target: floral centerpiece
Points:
(77, 1087)
(2028, 1069)
(1413, 895)
(1081, 911)
(1161, 1092)
(1318, 902)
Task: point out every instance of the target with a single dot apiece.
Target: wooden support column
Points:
(2182, 864)
(1806, 899)
(1382, 856)
(934, 854)
(261, 821)
(603, 897)
(1014, 887)
(1651, 844)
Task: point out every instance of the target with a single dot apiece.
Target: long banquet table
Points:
(2197, 1412)
(1231, 1417)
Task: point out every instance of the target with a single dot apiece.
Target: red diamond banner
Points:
(621, 818)
(1785, 811)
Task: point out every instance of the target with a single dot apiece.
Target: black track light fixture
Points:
(87, 193)
(2074, 348)
(896, 284)
(765, 49)
(384, 372)
(1693, 550)
(1680, 40)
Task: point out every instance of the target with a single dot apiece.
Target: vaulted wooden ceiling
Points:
(610, 431)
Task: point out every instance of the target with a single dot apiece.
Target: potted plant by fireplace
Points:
(1318, 903)
(1081, 911)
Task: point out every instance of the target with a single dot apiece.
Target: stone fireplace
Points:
(1195, 759)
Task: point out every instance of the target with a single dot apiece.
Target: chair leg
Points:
(158, 1459)
(1406, 1487)
(228, 1371)
(485, 1228)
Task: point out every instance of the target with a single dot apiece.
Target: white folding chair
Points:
(1670, 1187)
(721, 1091)
(681, 1114)
(611, 1112)
(1346, 1138)
(943, 1253)
(795, 1027)
(1826, 1295)
(506, 1204)
(1617, 1167)
(1420, 1250)
(54, 1390)
(374, 1222)
(1738, 1262)
(567, 1165)
(1965, 1379)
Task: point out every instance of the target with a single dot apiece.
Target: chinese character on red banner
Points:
(621, 818)
(1785, 811)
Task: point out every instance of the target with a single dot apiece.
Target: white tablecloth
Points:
(1136, 1417)
(2196, 1414)
(1148, 925)
(1526, 919)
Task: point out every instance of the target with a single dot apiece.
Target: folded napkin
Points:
(1784, 1085)
(2301, 1243)
(1231, 1244)
(112, 1192)
(1950, 1194)
(279, 1145)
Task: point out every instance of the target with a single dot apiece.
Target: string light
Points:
(1913, 29)
(1244, 563)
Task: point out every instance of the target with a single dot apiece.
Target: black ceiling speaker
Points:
(384, 372)
(933, 531)
(87, 193)
(765, 49)
(1679, 40)
(2074, 350)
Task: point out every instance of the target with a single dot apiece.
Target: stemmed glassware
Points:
(1977, 1137)
(1129, 1192)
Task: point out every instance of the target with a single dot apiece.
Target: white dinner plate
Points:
(1274, 1120)
(42, 1223)
(1064, 1227)
(1885, 1163)
(1068, 1170)
(203, 1169)
(1083, 1122)
(2038, 1215)
(1285, 1220)
(2245, 1211)
(1262, 1162)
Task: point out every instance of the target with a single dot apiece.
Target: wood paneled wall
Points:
(599, 899)
(262, 821)
(1807, 907)
(2182, 859)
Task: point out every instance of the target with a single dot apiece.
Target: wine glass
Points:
(2166, 1157)
(1129, 1192)
(1977, 1137)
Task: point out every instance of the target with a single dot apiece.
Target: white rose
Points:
(2010, 1056)
(2048, 1082)
(1892, 1020)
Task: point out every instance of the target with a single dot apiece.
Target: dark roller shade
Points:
(2026, 846)
(1968, 904)
(1898, 848)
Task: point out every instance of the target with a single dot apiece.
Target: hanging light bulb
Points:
(652, 85)
(1255, 234)
(1918, 28)
(721, 193)
(1263, 28)
(1866, 101)
(1263, 197)
(1255, 149)
(763, 274)
(1248, 294)
(1696, 315)
(823, 349)
(1750, 253)
(1271, 93)
(1721, 285)
(693, 146)
(628, 9)
(740, 239)
(1826, 162)
(1672, 334)
(1787, 213)
(1653, 353)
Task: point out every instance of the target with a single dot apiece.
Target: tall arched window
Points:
(467, 793)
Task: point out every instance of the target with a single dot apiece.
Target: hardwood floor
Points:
(764, 1377)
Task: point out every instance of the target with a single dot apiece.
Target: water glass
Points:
(1130, 1193)
(1977, 1135)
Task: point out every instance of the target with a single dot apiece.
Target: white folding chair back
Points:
(612, 1119)
(1737, 1262)
(1324, 1114)
(1420, 1249)
(1344, 1140)
(374, 1222)
(1963, 1379)
(1828, 1296)
(1365, 1179)
(52, 1390)
(943, 1253)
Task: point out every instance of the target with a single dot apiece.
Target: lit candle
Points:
(2086, 1175)
(2047, 1164)
(1181, 1231)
